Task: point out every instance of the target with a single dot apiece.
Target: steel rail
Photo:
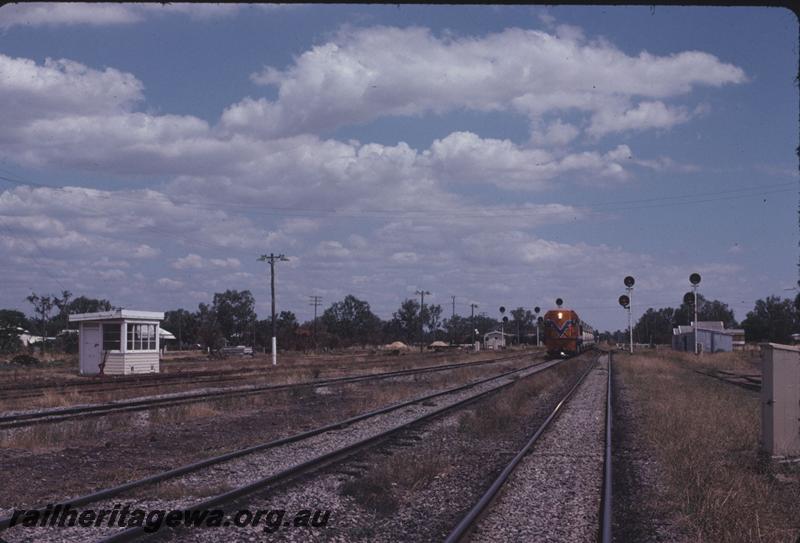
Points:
(607, 500)
(68, 413)
(330, 457)
(143, 379)
(468, 520)
(112, 383)
(195, 466)
(751, 384)
(117, 382)
(124, 387)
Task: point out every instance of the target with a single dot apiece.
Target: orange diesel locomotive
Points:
(565, 334)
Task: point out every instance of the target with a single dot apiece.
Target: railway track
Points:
(95, 385)
(175, 379)
(306, 456)
(124, 406)
(518, 500)
(751, 382)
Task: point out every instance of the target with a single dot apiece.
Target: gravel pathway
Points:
(182, 492)
(554, 493)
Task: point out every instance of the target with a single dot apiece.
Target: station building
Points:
(494, 340)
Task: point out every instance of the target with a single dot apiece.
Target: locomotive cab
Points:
(565, 334)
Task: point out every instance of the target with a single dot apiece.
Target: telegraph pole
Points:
(422, 294)
(472, 320)
(272, 258)
(315, 301)
(452, 316)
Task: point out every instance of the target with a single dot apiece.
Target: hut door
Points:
(90, 349)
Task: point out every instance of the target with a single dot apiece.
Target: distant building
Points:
(494, 340)
(712, 337)
(29, 339)
(164, 337)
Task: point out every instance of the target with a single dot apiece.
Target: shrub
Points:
(24, 360)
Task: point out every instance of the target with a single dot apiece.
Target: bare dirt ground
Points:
(687, 466)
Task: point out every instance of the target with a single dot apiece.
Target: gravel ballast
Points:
(415, 487)
(192, 488)
(554, 494)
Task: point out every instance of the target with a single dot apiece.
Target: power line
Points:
(36, 246)
(451, 212)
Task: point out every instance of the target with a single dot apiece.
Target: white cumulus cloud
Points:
(363, 74)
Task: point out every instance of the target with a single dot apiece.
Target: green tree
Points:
(707, 310)
(458, 329)
(406, 321)
(521, 322)
(235, 313)
(42, 306)
(209, 331)
(82, 304)
(773, 319)
(485, 324)
(183, 325)
(287, 327)
(461, 328)
(12, 322)
(287, 331)
(352, 321)
(432, 318)
(655, 326)
(61, 321)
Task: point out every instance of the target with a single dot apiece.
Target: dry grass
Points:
(514, 405)
(378, 490)
(384, 487)
(48, 437)
(184, 412)
(704, 436)
(292, 368)
(370, 396)
(738, 361)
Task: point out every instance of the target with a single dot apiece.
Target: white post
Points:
(274, 351)
(630, 303)
(694, 287)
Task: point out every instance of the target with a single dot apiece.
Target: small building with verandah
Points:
(119, 342)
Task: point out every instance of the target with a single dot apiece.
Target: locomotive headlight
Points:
(560, 315)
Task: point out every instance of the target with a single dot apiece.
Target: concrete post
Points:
(780, 399)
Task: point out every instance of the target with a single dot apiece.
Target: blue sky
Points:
(507, 155)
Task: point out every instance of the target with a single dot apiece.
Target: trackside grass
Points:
(703, 434)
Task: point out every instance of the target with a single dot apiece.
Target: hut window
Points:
(141, 337)
(111, 337)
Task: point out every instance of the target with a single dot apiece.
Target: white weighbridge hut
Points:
(118, 342)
